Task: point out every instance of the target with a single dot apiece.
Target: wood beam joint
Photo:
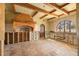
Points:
(34, 13)
(57, 7)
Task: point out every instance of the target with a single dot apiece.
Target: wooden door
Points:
(42, 31)
(27, 36)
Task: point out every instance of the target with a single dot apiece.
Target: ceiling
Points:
(47, 11)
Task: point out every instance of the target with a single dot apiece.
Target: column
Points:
(2, 28)
(77, 23)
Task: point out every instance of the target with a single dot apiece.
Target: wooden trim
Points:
(50, 18)
(43, 16)
(64, 5)
(52, 11)
(72, 11)
(60, 15)
(34, 13)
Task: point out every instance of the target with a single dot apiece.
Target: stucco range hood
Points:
(23, 20)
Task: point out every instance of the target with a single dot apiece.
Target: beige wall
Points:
(8, 27)
(39, 22)
(2, 27)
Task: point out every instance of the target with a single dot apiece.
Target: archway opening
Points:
(42, 31)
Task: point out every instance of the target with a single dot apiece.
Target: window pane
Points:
(66, 26)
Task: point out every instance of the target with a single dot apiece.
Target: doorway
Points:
(42, 31)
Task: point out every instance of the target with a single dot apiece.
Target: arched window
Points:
(66, 26)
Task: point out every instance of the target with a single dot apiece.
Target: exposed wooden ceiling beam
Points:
(60, 15)
(43, 16)
(52, 11)
(72, 10)
(34, 13)
(49, 13)
(57, 7)
(27, 5)
(50, 18)
(64, 5)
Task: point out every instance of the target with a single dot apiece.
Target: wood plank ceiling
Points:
(47, 11)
